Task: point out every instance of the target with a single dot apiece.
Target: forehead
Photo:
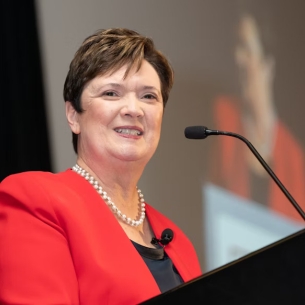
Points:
(145, 74)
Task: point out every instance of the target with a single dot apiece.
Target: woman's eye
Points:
(150, 96)
(110, 93)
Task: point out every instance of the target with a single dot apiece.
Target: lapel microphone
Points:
(166, 237)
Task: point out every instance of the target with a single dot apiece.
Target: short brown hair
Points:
(107, 51)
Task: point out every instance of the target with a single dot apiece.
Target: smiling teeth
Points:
(132, 132)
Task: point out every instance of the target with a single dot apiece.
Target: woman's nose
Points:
(132, 107)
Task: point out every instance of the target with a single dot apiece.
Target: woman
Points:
(84, 236)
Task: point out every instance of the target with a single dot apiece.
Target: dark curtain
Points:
(24, 143)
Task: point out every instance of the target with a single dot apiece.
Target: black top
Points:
(160, 266)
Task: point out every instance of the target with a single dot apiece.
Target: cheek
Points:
(96, 117)
(157, 124)
(157, 120)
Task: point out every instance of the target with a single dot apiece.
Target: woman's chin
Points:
(133, 156)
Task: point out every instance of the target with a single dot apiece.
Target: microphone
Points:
(166, 237)
(201, 132)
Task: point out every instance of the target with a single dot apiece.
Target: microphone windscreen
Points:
(195, 132)
(166, 236)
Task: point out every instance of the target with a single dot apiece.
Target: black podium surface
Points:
(272, 275)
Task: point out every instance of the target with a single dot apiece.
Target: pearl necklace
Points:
(107, 199)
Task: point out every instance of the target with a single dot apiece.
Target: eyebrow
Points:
(113, 85)
(144, 87)
(97, 88)
(151, 88)
(117, 85)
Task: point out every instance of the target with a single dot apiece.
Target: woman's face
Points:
(121, 118)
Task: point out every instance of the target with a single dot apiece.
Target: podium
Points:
(272, 275)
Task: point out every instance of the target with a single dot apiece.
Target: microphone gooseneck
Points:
(201, 132)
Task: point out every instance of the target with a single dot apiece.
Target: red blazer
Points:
(61, 244)
(229, 167)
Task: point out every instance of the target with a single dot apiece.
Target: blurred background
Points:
(239, 66)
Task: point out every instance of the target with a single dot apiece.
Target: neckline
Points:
(151, 253)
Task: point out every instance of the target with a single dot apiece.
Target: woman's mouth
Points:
(129, 131)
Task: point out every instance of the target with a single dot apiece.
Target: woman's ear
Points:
(72, 117)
